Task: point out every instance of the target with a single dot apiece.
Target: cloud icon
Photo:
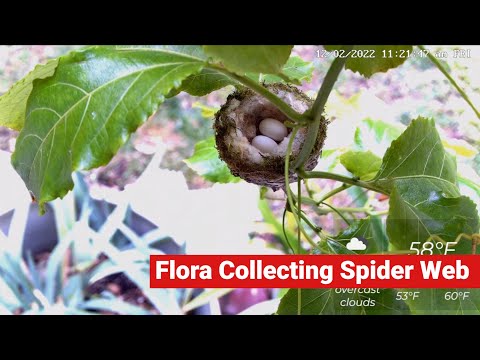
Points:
(355, 244)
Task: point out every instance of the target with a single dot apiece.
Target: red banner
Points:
(314, 271)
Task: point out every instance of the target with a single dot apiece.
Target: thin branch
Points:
(341, 178)
(444, 71)
(260, 89)
(333, 192)
(317, 108)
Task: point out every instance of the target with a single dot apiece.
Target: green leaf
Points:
(421, 178)
(472, 185)
(418, 154)
(420, 208)
(363, 164)
(367, 65)
(330, 246)
(79, 118)
(266, 59)
(206, 163)
(205, 82)
(73, 290)
(263, 192)
(14, 102)
(16, 279)
(433, 302)
(371, 229)
(336, 302)
(295, 71)
(377, 131)
(207, 112)
(135, 268)
(56, 260)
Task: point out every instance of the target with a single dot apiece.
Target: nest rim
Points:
(271, 171)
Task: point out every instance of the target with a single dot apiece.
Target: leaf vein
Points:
(315, 299)
(429, 154)
(108, 118)
(409, 206)
(81, 121)
(406, 158)
(69, 85)
(43, 108)
(89, 95)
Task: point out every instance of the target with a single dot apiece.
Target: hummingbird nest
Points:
(237, 124)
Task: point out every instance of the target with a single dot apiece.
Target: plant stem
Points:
(289, 193)
(328, 82)
(305, 200)
(299, 204)
(309, 191)
(338, 212)
(312, 226)
(299, 213)
(333, 192)
(285, 232)
(378, 213)
(343, 209)
(337, 177)
(287, 172)
(260, 89)
(317, 108)
(365, 210)
(444, 71)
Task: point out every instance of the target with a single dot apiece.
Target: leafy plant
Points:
(206, 163)
(75, 112)
(81, 259)
(61, 285)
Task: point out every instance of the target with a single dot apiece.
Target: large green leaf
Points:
(418, 154)
(420, 208)
(79, 118)
(205, 82)
(420, 177)
(336, 302)
(372, 132)
(295, 71)
(266, 59)
(14, 102)
(372, 60)
(331, 301)
(205, 162)
(363, 164)
(331, 246)
(440, 302)
(371, 229)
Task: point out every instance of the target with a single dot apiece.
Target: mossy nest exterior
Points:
(236, 124)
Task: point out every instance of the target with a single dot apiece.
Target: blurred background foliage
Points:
(166, 191)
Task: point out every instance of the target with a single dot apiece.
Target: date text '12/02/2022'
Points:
(389, 54)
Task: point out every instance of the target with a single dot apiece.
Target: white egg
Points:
(264, 144)
(273, 129)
